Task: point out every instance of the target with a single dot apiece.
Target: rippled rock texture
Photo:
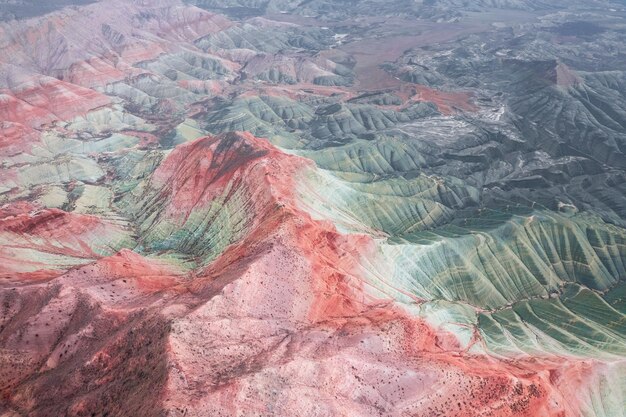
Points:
(280, 208)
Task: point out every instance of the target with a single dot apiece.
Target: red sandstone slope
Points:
(319, 338)
(45, 100)
(100, 42)
(43, 243)
(280, 323)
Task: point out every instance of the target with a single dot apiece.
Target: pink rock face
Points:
(94, 72)
(44, 100)
(60, 238)
(279, 324)
(16, 138)
(292, 317)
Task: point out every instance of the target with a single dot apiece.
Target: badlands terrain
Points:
(313, 208)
